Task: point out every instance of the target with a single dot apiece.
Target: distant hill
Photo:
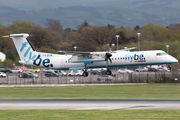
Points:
(97, 12)
(51, 4)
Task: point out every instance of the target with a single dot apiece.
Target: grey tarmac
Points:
(90, 104)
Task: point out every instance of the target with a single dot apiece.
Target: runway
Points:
(90, 104)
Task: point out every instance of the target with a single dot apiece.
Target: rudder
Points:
(24, 48)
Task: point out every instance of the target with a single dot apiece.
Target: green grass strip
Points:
(146, 91)
(89, 114)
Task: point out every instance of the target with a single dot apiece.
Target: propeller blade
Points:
(110, 60)
(106, 63)
(107, 57)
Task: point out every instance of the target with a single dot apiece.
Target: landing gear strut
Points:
(85, 73)
(108, 57)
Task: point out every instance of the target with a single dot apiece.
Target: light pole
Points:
(167, 48)
(117, 40)
(75, 48)
(139, 34)
(112, 45)
(139, 50)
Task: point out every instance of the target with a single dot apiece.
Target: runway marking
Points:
(12, 106)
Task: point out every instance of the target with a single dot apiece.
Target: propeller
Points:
(108, 57)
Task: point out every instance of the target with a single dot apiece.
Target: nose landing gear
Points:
(169, 67)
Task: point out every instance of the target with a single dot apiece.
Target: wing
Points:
(85, 57)
(125, 49)
(79, 53)
(95, 53)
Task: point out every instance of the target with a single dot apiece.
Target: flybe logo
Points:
(45, 62)
(135, 58)
(27, 51)
(38, 61)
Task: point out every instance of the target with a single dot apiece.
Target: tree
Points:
(176, 28)
(92, 37)
(7, 45)
(110, 26)
(53, 25)
(67, 30)
(21, 27)
(137, 28)
(1, 26)
(46, 38)
(84, 24)
(3, 44)
(158, 47)
(176, 37)
(156, 32)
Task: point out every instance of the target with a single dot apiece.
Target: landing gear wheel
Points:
(85, 74)
(169, 67)
(108, 72)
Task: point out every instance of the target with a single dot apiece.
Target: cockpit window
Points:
(164, 53)
(158, 54)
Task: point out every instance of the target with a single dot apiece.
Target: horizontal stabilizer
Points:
(17, 35)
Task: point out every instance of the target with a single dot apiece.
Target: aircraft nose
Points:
(174, 60)
(170, 59)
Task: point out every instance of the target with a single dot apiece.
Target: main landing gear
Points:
(85, 73)
(108, 57)
(108, 72)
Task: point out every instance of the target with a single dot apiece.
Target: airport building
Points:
(2, 56)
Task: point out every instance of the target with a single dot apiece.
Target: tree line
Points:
(53, 38)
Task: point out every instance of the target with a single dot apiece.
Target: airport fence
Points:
(136, 77)
(155, 77)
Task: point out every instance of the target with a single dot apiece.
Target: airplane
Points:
(71, 60)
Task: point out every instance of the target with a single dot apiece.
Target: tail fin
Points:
(24, 48)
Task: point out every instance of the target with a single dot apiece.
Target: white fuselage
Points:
(123, 58)
(81, 60)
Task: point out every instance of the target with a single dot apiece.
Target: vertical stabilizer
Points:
(25, 50)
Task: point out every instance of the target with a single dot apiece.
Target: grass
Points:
(146, 91)
(89, 115)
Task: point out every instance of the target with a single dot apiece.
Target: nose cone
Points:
(175, 60)
(172, 60)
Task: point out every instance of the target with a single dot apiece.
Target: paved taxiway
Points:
(90, 104)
